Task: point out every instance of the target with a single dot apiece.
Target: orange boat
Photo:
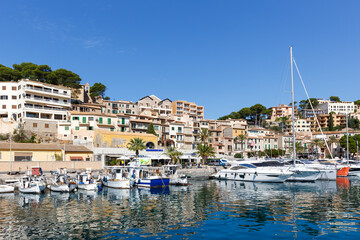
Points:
(343, 172)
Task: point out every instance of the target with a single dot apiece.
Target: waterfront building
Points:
(106, 139)
(47, 156)
(162, 107)
(282, 110)
(35, 106)
(337, 107)
(309, 113)
(180, 108)
(301, 125)
(119, 107)
(324, 120)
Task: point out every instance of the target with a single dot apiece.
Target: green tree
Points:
(299, 148)
(136, 144)
(98, 89)
(332, 140)
(150, 129)
(67, 78)
(357, 102)
(241, 139)
(282, 120)
(331, 122)
(204, 135)
(352, 143)
(173, 154)
(335, 99)
(238, 155)
(244, 113)
(354, 123)
(316, 144)
(305, 104)
(8, 74)
(257, 111)
(205, 151)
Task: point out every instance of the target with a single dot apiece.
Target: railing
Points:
(47, 100)
(46, 90)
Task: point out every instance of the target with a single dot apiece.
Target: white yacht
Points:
(251, 172)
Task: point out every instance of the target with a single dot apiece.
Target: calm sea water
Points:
(207, 209)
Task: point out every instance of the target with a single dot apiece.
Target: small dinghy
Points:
(6, 189)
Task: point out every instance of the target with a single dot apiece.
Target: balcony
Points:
(49, 101)
(46, 91)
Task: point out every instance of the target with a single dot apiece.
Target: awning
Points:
(76, 158)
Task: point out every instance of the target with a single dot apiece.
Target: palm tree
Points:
(317, 143)
(282, 120)
(205, 151)
(299, 148)
(241, 138)
(136, 144)
(331, 141)
(173, 154)
(204, 135)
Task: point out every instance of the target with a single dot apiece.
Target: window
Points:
(84, 120)
(109, 120)
(35, 125)
(77, 128)
(156, 127)
(13, 97)
(75, 118)
(66, 128)
(90, 128)
(46, 125)
(173, 128)
(3, 87)
(100, 120)
(91, 118)
(13, 88)
(4, 97)
(111, 129)
(3, 106)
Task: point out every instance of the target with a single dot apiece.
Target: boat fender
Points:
(256, 173)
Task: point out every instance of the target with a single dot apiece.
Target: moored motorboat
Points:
(62, 183)
(150, 177)
(31, 185)
(118, 177)
(6, 189)
(175, 176)
(85, 181)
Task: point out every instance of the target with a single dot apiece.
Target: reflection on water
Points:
(206, 209)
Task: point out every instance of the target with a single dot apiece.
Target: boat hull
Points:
(88, 187)
(154, 182)
(253, 176)
(343, 172)
(33, 189)
(6, 189)
(63, 188)
(121, 184)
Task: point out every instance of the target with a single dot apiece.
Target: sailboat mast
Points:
(347, 138)
(292, 105)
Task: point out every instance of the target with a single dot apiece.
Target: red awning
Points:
(76, 158)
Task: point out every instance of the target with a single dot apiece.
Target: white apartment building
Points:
(337, 107)
(301, 125)
(36, 106)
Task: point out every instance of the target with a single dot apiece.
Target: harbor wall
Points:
(49, 165)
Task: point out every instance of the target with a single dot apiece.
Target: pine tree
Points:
(151, 129)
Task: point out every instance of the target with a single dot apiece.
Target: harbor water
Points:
(206, 209)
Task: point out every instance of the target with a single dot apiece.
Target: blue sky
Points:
(224, 55)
